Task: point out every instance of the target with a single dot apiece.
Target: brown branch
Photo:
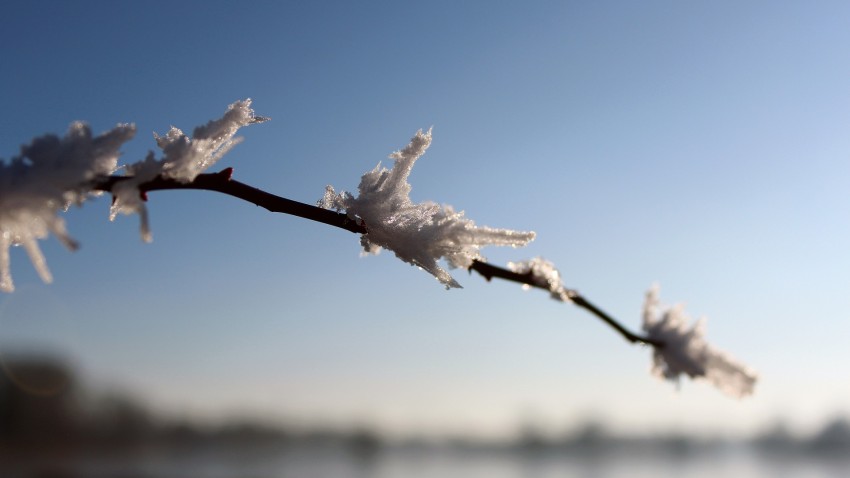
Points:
(223, 183)
(489, 271)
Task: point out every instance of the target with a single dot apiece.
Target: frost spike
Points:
(37, 259)
(6, 284)
(419, 234)
(686, 352)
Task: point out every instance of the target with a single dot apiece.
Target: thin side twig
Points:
(489, 271)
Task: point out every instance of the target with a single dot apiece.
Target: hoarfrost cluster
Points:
(52, 173)
(184, 158)
(685, 351)
(543, 274)
(418, 233)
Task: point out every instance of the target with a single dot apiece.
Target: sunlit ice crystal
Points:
(418, 233)
(50, 174)
(54, 172)
(184, 159)
(686, 352)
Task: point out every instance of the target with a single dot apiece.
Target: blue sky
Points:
(701, 146)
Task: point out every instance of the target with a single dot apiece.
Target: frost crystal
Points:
(126, 196)
(50, 174)
(184, 159)
(543, 274)
(685, 351)
(419, 234)
(187, 157)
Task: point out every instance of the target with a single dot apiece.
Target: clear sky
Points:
(703, 146)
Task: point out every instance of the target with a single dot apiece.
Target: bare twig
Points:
(489, 271)
(223, 183)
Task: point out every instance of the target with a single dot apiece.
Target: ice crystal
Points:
(184, 159)
(685, 350)
(418, 233)
(543, 274)
(127, 197)
(50, 174)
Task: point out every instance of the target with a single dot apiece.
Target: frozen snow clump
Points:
(50, 174)
(187, 157)
(184, 159)
(419, 234)
(543, 274)
(685, 350)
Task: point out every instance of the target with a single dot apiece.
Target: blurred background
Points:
(702, 147)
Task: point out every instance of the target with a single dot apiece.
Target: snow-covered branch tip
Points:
(677, 348)
(418, 233)
(686, 352)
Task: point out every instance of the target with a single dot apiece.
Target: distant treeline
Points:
(44, 410)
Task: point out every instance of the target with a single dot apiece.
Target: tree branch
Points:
(489, 271)
(223, 183)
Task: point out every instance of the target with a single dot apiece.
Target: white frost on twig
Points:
(184, 159)
(419, 234)
(50, 174)
(543, 274)
(127, 197)
(685, 350)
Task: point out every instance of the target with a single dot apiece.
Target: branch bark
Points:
(222, 182)
(489, 271)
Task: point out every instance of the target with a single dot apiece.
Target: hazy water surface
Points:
(732, 462)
